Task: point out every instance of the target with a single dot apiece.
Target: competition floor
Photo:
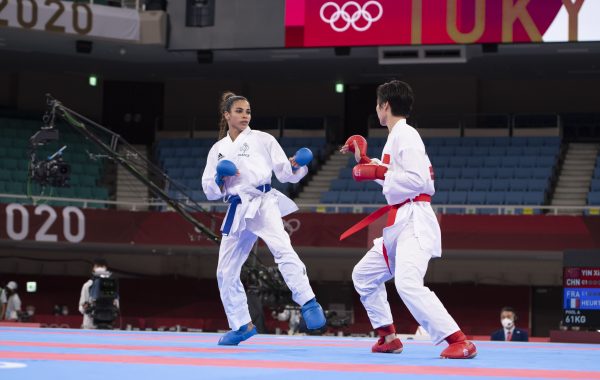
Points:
(29, 353)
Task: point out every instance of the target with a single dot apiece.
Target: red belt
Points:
(393, 209)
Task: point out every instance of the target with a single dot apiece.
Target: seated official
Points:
(509, 331)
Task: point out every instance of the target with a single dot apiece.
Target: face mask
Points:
(99, 270)
(507, 323)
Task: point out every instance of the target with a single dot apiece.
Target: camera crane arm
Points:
(71, 117)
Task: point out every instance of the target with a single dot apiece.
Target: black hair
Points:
(99, 262)
(399, 96)
(510, 310)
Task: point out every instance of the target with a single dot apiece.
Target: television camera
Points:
(104, 300)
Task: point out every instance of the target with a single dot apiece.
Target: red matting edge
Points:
(305, 366)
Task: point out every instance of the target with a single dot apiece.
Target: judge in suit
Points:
(509, 332)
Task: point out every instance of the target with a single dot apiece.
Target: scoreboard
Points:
(581, 296)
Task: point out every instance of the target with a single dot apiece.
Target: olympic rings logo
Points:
(351, 18)
(291, 226)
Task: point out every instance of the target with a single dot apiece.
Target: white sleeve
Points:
(17, 302)
(84, 297)
(281, 164)
(411, 178)
(2, 296)
(210, 187)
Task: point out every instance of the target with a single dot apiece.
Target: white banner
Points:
(72, 18)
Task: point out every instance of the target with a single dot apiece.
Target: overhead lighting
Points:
(93, 80)
(339, 88)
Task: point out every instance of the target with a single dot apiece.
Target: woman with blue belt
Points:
(238, 169)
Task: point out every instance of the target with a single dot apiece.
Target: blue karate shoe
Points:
(233, 338)
(313, 315)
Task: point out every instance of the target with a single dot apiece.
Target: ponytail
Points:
(227, 100)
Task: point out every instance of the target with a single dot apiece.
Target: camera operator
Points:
(86, 306)
(13, 304)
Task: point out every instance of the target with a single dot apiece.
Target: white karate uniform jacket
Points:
(410, 242)
(256, 155)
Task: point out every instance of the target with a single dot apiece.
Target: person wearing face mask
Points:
(238, 170)
(509, 332)
(13, 302)
(99, 268)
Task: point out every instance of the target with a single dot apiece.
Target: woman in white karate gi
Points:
(255, 211)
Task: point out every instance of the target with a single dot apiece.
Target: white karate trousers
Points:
(234, 250)
(409, 263)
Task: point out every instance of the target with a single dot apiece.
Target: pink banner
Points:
(311, 23)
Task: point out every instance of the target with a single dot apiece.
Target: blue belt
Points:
(234, 201)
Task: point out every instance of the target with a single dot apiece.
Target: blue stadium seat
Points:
(176, 172)
(330, 197)
(339, 185)
(485, 141)
(183, 152)
(457, 198)
(500, 185)
(346, 173)
(594, 198)
(493, 161)
(188, 162)
(524, 173)
(595, 185)
(519, 184)
(505, 173)
(452, 173)
(481, 151)
(475, 162)
(470, 173)
(171, 162)
(372, 186)
(468, 142)
(379, 198)
(355, 186)
(463, 151)
(347, 197)
(527, 161)
(548, 151)
(495, 198)
(440, 197)
(453, 141)
(431, 150)
(365, 197)
(192, 172)
(487, 173)
(436, 141)
(518, 141)
(440, 161)
(510, 161)
(457, 162)
(446, 151)
(463, 185)
(502, 141)
(514, 151)
(446, 184)
(533, 198)
(514, 198)
(482, 184)
(537, 185)
(541, 173)
(497, 151)
(476, 197)
(197, 151)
